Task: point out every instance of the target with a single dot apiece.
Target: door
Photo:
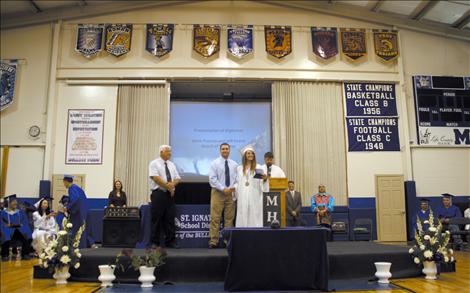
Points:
(390, 207)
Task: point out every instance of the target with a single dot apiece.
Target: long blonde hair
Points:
(245, 162)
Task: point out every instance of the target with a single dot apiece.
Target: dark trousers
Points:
(163, 216)
(17, 237)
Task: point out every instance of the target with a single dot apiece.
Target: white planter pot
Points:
(107, 275)
(383, 271)
(146, 276)
(430, 270)
(61, 275)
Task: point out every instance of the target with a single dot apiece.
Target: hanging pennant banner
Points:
(206, 39)
(118, 39)
(159, 39)
(278, 40)
(353, 43)
(240, 40)
(325, 42)
(386, 44)
(89, 39)
(7, 87)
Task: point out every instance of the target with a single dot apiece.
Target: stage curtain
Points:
(143, 123)
(308, 136)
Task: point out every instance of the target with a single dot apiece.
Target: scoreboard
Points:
(442, 110)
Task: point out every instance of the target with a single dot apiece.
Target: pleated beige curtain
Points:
(143, 123)
(308, 136)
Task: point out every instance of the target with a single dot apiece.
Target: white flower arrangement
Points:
(431, 244)
(62, 251)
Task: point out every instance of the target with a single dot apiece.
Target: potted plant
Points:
(146, 264)
(62, 253)
(431, 246)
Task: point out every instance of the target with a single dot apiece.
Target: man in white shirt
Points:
(222, 178)
(271, 170)
(163, 178)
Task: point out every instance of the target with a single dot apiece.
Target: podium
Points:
(274, 202)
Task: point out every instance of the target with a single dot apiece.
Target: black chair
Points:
(362, 226)
(464, 234)
(340, 227)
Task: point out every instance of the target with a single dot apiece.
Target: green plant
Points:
(154, 257)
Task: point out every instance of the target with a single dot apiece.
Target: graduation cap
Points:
(48, 198)
(64, 200)
(68, 178)
(8, 199)
(447, 195)
(423, 199)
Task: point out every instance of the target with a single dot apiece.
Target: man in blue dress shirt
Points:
(449, 211)
(77, 207)
(222, 177)
(14, 228)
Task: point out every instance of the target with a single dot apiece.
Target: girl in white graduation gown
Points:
(44, 226)
(249, 192)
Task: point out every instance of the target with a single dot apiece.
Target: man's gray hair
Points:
(165, 147)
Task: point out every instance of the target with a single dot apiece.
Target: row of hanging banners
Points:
(206, 40)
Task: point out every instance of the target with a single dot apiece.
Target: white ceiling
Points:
(447, 14)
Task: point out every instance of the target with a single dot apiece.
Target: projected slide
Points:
(198, 128)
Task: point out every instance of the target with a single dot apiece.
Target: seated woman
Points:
(14, 229)
(44, 226)
(117, 198)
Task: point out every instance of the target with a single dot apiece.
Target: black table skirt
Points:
(277, 259)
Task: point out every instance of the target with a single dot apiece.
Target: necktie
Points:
(167, 171)
(227, 174)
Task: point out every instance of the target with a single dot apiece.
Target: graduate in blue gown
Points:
(15, 229)
(423, 215)
(449, 211)
(76, 208)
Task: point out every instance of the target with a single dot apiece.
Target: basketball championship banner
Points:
(442, 106)
(159, 40)
(278, 40)
(371, 116)
(89, 39)
(7, 88)
(386, 44)
(118, 39)
(325, 42)
(240, 40)
(353, 43)
(206, 39)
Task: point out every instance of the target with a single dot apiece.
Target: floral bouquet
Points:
(431, 244)
(62, 251)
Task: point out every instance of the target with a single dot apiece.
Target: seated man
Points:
(449, 211)
(322, 205)
(424, 216)
(14, 229)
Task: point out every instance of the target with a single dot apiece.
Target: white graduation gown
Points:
(249, 199)
(43, 229)
(276, 172)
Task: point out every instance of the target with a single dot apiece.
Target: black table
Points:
(293, 258)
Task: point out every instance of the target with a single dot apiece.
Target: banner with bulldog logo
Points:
(206, 39)
(386, 44)
(353, 43)
(159, 39)
(278, 40)
(89, 39)
(240, 40)
(8, 79)
(325, 42)
(118, 39)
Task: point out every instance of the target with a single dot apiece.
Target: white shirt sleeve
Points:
(153, 169)
(38, 220)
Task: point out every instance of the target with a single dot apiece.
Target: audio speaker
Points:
(44, 188)
(120, 232)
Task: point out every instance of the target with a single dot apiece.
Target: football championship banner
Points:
(278, 40)
(7, 88)
(353, 43)
(386, 44)
(84, 144)
(240, 40)
(159, 39)
(206, 39)
(371, 116)
(442, 105)
(324, 42)
(118, 39)
(89, 39)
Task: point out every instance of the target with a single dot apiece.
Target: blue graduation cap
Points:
(68, 178)
(447, 195)
(8, 199)
(423, 199)
(64, 200)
